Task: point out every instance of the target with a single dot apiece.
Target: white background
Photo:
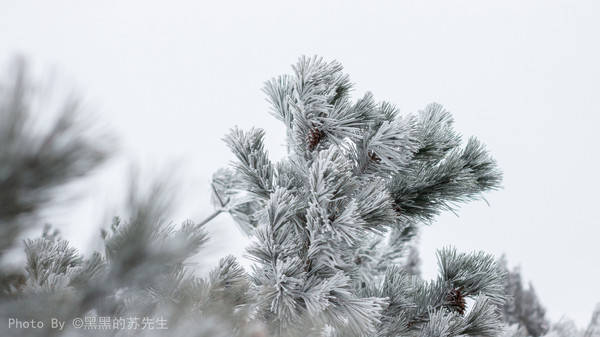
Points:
(172, 77)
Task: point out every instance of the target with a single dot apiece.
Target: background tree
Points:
(144, 269)
(37, 160)
(593, 329)
(522, 306)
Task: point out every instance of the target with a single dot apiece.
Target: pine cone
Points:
(314, 137)
(397, 208)
(374, 157)
(456, 301)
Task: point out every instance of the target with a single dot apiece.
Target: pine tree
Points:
(331, 221)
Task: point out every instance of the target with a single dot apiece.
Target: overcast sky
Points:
(170, 78)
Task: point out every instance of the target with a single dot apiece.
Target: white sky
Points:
(172, 77)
